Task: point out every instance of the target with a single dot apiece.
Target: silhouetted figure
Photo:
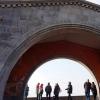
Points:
(94, 90)
(26, 92)
(41, 91)
(37, 91)
(69, 91)
(87, 87)
(56, 91)
(48, 90)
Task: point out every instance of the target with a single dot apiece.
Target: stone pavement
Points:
(65, 98)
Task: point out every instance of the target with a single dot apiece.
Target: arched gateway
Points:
(32, 32)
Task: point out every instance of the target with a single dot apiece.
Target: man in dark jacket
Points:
(94, 90)
(69, 91)
(87, 87)
(56, 91)
(26, 92)
(48, 90)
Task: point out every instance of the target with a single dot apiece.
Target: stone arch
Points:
(36, 41)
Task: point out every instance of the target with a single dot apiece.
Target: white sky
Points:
(60, 71)
(94, 1)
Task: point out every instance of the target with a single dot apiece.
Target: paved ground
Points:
(65, 98)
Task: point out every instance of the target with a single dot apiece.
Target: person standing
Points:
(38, 90)
(69, 91)
(94, 90)
(48, 90)
(41, 91)
(56, 91)
(26, 91)
(87, 87)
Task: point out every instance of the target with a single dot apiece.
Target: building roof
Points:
(30, 3)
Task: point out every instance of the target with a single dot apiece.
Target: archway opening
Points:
(27, 64)
(61, 71)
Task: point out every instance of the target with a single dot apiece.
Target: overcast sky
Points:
(94, 1)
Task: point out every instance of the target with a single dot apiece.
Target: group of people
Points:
(39, 91)
(90, 86)
(48, 90)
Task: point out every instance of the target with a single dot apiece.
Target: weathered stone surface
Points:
(18, 24)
